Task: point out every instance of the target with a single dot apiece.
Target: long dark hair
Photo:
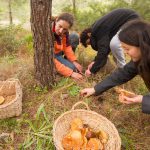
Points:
(67, 17)
(137, 33)
(63, 16)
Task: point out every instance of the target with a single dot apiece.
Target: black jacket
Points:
(104, 29)
(121, 76)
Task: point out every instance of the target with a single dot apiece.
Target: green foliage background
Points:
(87, 11)
(85, 16)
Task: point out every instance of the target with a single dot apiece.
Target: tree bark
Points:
(10, 13)
(43, 42)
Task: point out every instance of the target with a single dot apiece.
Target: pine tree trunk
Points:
(10, 13)
(43, 42)
(74, 7)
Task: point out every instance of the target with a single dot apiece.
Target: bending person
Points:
(103, 37)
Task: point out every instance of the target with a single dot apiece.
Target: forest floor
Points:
(33, 129)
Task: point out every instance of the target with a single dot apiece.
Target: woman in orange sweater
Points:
(70, 66)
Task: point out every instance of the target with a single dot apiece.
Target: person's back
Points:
(113, 21)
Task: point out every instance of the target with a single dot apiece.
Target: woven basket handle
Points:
(79, 103)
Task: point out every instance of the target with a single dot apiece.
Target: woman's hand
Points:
(78, 66)
(87, 92)
(90, 65)
(77, 76)
(128, 100)
(88, 73)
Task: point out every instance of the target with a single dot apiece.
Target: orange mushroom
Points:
(94, 144)
(76, 124)
(67, 142)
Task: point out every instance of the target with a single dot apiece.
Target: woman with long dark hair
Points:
(135, 40)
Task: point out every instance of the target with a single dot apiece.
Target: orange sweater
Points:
(62, 44)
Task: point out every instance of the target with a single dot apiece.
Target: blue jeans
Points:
(66, 62)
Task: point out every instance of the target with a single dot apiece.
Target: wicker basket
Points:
(13, 107)
(93, 119)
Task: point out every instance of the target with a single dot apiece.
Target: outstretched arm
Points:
(120, 76)
(102, 54)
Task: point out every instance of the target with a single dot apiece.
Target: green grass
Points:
(33, 129)
(8, 124)
(74, 90)
(39, 134)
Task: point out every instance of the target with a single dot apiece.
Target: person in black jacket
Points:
(103, 37)
(135, 40)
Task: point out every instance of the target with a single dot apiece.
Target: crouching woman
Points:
(70, 66)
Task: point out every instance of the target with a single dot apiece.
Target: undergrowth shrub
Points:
(9, 42)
